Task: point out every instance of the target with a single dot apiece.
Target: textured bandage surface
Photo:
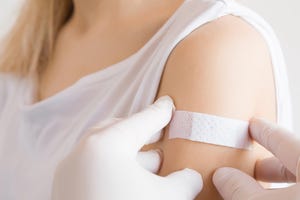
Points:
(210, 129)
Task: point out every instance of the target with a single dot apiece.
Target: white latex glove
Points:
(104, 165)
(236, 185)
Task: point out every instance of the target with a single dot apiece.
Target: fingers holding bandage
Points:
(138, 129)
(108, 164)
(272, 170)
(283, 144)
(284, 167)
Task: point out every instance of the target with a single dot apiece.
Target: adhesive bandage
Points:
(210, 129)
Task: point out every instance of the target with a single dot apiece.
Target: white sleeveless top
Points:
(34, 137)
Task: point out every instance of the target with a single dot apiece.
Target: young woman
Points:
(67, 65)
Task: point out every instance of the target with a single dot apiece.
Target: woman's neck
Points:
(88, 13)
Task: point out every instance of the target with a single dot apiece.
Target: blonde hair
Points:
(29, 44)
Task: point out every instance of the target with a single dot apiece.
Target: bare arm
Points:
(222, 68)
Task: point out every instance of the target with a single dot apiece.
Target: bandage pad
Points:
(210, 129)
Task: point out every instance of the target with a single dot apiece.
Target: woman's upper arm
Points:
(223, 69)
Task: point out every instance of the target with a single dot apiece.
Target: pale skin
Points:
(222, 68)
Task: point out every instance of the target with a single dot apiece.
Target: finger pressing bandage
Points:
(210, 129)
(298, 171)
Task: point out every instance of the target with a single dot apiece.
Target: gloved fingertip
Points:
(159, 152)
(258, 126)
(185, 184)
(167, 99)
(156, 137)
(157, 160)
(164, 98)
(150, 160)
(221, 175)
(194, 178)
(234, 184)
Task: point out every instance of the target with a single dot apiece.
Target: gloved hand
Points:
(233, 184)
(104, 165)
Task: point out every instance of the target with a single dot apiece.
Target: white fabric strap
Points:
(210, 129)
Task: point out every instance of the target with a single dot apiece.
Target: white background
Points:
(282, 15)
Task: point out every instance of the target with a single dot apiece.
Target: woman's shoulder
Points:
(224, 59)
(228, 35)
(225, 43)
